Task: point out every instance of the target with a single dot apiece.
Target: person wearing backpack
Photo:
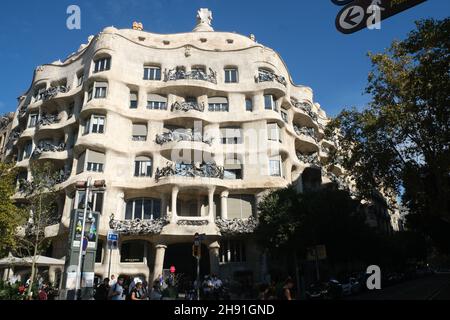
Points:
(117, 292)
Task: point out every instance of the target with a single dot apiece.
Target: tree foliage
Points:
(290, 222)
(400, 142)
(11, 217)
(40, 195)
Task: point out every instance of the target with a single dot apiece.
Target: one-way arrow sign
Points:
(356, 15)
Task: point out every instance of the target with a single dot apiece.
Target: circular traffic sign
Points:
(341, 2)
(172, 269)
(351, 17)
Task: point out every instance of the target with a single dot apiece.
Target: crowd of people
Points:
(210, 288)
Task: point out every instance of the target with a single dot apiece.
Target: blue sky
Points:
(302, 31)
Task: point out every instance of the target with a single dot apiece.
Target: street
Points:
(435, 287)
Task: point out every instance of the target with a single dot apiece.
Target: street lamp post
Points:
(80, 254)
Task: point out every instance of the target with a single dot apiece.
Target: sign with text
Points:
(360, 14)
(90, 230)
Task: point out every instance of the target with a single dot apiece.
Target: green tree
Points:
(11, 217)
(400, 142)
(40, 195)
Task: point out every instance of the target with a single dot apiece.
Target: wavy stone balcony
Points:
(188, 106)
(138, 227)
(204, 170)
(44, 147)
(270, 77)
(236, 226)
(306, 108)
(174, 75)
(182, 135)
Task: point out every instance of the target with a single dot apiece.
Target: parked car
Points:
(334, 289)
(351, 286)
(316, 291)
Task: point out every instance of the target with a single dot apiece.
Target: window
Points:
(98, 91)
(133, 100)
(240, 206)
(275, 166)
(27, 150)
(231, 75)
(232, 168)
(94, 167)
(132, 252)
(232, 251)
(70, 110)
(143, 209)
(269, 102)
(218, 104)
(273, 130)
(80, 79)
(284, 116)
(143, 167)
(95, 124)
(38, 94)
(156, 102)
(99, 252)
(152, 73)
(102, 64)
(249, 105)
(139, 132)
(94, 161)
(33, 120)
(95, 201)
(231, 135)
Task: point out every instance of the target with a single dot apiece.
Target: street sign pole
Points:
(109, 266)
(198, 278)
(80, 254)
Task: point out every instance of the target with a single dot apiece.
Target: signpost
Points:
(360, 14)
(196, 253)
(113, 244)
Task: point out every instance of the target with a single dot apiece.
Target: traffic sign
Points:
(113, 240)
(341, 2)
(172, 269)
(359, 14)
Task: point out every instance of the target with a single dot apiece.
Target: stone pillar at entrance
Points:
(159, 261)
(224, 204)
(214, 257)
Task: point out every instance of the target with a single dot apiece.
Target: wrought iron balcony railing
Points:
(47, 147)
(13, 137)
(138, 227)
(53, 92)
(267, 76)
(236, 226)
(204, 170)
(310, 132)
(306, 108)
(181, 135)
(188, 106)
(174, 74)
(47, 119)
(310, 159)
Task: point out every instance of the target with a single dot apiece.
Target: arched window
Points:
(102, 64)
(143, 208)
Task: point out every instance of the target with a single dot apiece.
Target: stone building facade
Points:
(187, 131)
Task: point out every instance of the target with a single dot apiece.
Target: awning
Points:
(27, 261)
